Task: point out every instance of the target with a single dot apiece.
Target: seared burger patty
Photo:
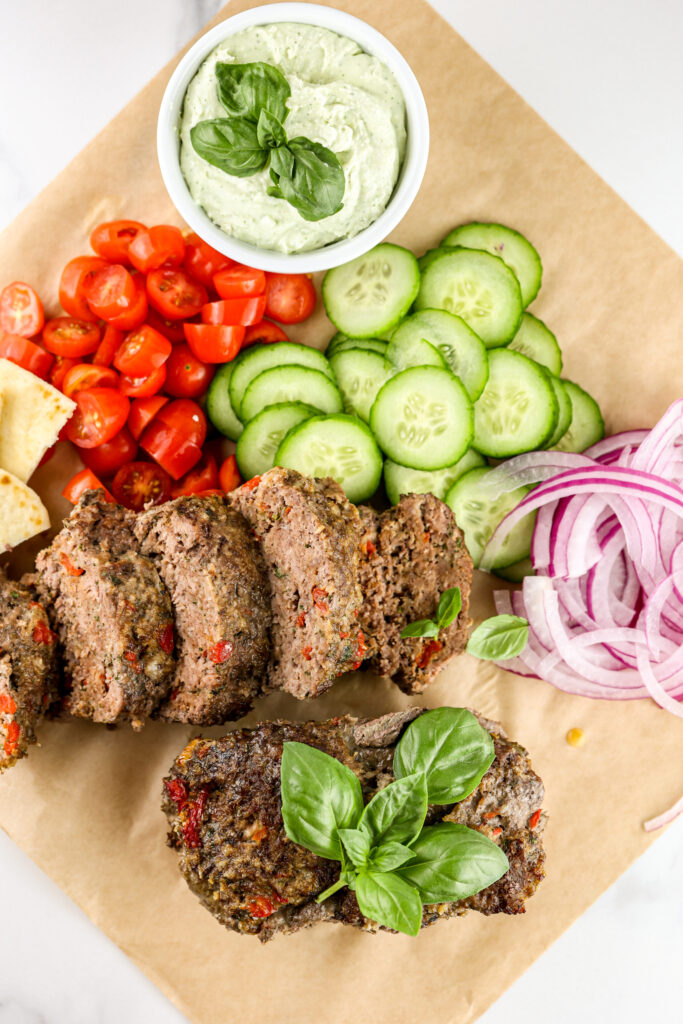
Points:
(222, 800)
(207, 557)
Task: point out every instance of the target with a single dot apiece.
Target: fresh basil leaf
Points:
(450, 747)
(316, 185)
(247, 89)
(397, 813)
(390, 900)
(319, 796)
(330, 891)
(498, 638)
(230, 143)
(450, 604)
(281, 163)
(389, 856)
(356, 845)
(423, 627)
(453, 862)
(269, 131)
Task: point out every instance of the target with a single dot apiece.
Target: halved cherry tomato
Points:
(204, 477)
(229, 475)
(160, 244)
(72, 285)
(171, 329)
(69, 336)
(142, 352)
(290, 298)
(265, 333)
(26, 354)
(141, 483)
(135, 316)
(242, 312)
(100, 413)
(110, 456)
(186, 376)
(214, 344)
(61, 367)
(85, 375)
(202, 261)
(175, 453)
(142, 412)
(237, 281)
(21, 311)
(186, 417)
(112, 239)
(106, 350)
(174, 294)
(143, 387)
(84, 481)
(110, 291)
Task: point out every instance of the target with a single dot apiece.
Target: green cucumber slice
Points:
(514, 249)
(253, 361)
(406, 350)
(517, 410)
(432, 254)
(463, 350)
(564, 406)
(218, 405)
(400, 480)
(478, 515)
(373, 292)
(260, 440)
(478, 287)
(516, 572)
(291, 384)
(535, 340)
(587, 425)
(338, 446)
(360, 374)
(344, 343)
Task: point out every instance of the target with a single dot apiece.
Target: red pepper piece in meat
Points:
(260, 907)
(194, 818)
(177, 790)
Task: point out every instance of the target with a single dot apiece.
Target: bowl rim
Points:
(410, 176)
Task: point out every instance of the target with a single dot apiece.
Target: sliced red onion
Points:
(663, 819)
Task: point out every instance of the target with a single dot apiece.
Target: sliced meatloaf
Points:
(28, 668)
(206, 555)
(222, 800)
(308, 531)
(410, 555)
(112, 613)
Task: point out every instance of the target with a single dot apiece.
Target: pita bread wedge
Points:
(33, 413)
(22, 513)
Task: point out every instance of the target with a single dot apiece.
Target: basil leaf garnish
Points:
(450, 747)
(319, 796)
(397, 813)
(356, 845)
(450, 604)
(316, 185)
(390, 900)
(423, 627)
(389, 856)
(247, 89)
(269, 131)
(281, 163)
(230, 143)
(453, 862)
(499, 638)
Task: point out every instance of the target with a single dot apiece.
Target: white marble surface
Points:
(608, 77)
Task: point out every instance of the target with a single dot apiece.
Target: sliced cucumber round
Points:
(360, 374)
(422, 418)
(432, 254)
(463, 350)
(400, 480)
(514, 249)
(371, 293)
(516, 572)
(564, 415)
(253, 361)
(338, 446)
(478, 287)
(291, 384)
(344, 343)
(587, 425)
(218, 405)
(535, 340)
(406, 350)
(261, 437)
(477, 515)
(517, 410)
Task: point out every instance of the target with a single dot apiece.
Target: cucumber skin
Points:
(535, 256)
(243, 458)
(328, 282)
(290, 366)
(253, 353)
(598, 434)
(230, 430)
(556, 369)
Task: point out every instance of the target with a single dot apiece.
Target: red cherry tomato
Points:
(204, 477)
(60, 368)
(100, 414)
(106, 350)
(235, 312)
(137, 484)
(167, 446)
(110, 291)
(171, 329)
(214, 344)
(229, 475)
(110, 456)
(143, 387)
(264, 333)
(237, 281)
(186, 376)
(73, 282)
(135, 316)
(85, 375)
(186, 418)
(142, 412)
(201, 261)
(160, 244)
(142, 352)
(68, 336)
(112, 239)
(26, 354)
(174, 294)
(21, 311)
(290, 298)
(84, 481)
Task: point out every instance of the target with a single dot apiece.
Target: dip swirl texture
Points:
(341, 97)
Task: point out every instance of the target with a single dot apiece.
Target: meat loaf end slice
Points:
(206, 555)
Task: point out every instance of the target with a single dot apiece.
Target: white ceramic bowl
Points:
(410, 176)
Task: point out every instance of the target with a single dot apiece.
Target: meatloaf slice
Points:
(222, 800)
(207, 557)
(410, 554)
(28, 668)
(112, 613)
(309, 537)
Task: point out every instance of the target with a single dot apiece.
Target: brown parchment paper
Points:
(85, 805)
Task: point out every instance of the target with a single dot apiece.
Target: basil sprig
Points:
(304, 173)
(388, 857)
(499, 638)
(450, 604)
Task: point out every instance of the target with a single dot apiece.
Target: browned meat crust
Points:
(410, 554)
(222, 800)
(207, 557)
(308, 532)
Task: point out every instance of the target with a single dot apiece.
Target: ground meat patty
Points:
(222, 800)
(308, 532)
(211, 564)
(28, 668)
(410, 554)
(112, 613)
